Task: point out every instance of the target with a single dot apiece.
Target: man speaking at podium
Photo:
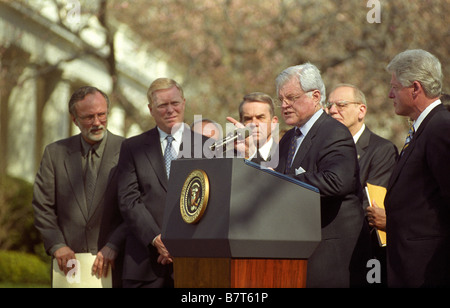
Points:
(320, 151)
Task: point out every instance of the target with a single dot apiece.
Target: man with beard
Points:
(75, 191)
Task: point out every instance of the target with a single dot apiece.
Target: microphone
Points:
(241, 133)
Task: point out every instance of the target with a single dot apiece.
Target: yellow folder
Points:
(377, 193)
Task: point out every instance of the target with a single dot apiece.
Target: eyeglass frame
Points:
(292, 99)
(89, 119)
(341, 104)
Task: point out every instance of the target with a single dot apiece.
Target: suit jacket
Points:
(142, 196)
(61, 213)
(418, 208)
(328, 156)
(376, 157)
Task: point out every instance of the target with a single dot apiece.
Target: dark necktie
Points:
(408, 139)
(257, 158)
(292, 148)
(169, 154)
(90, 177)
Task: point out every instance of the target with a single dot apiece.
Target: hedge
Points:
(19, 267)
(17, 231)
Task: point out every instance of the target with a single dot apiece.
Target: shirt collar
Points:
(307, 126)
(177, 135)
(424, 114)
(359, 133)
(264, 151)
(98, 146)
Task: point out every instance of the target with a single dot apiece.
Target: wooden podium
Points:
(257, 229)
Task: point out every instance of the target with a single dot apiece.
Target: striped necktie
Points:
(90, 177)
(169, 154)
(292, 148)
(408, 139)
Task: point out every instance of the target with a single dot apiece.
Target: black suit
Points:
(328, 156)
(418, 208)
(142, 195)
(376, 158)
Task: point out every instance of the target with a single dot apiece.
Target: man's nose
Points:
(391, 94)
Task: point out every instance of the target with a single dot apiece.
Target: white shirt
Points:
(306, 127)
(264, 151)
(359, 133)
(177, 138)
(424, 114)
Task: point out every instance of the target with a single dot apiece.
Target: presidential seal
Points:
(194, 196)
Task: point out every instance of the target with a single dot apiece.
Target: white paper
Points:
(81, 275)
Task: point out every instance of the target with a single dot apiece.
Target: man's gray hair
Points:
(418, 65)
(308, 76)
(357, 93)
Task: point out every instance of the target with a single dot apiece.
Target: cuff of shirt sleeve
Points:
(154, 240)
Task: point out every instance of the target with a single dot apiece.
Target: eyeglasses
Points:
(340, 105)
(89, 119)
(290, 100)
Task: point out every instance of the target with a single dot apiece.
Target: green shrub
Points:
(19, 267)
(17, 231)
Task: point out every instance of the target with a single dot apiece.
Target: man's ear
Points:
(362, 112)
(316, 96)
(150, 108)
(74, 119)
(417, 89)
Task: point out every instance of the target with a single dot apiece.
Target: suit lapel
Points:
(109, 160)
(155, 156)
(404, 158)
(363, 143)
(283, 151)
(152, 147)
(306, 144)
(302, 151)
(75, 174)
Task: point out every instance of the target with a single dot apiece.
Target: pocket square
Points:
(299, 170)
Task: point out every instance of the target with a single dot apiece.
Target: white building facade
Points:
(42, 62)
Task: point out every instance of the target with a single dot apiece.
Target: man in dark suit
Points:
(144, 174)
(68, 219)
(257, 111)
(418, 194)
(320, 151)
(376, 155)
